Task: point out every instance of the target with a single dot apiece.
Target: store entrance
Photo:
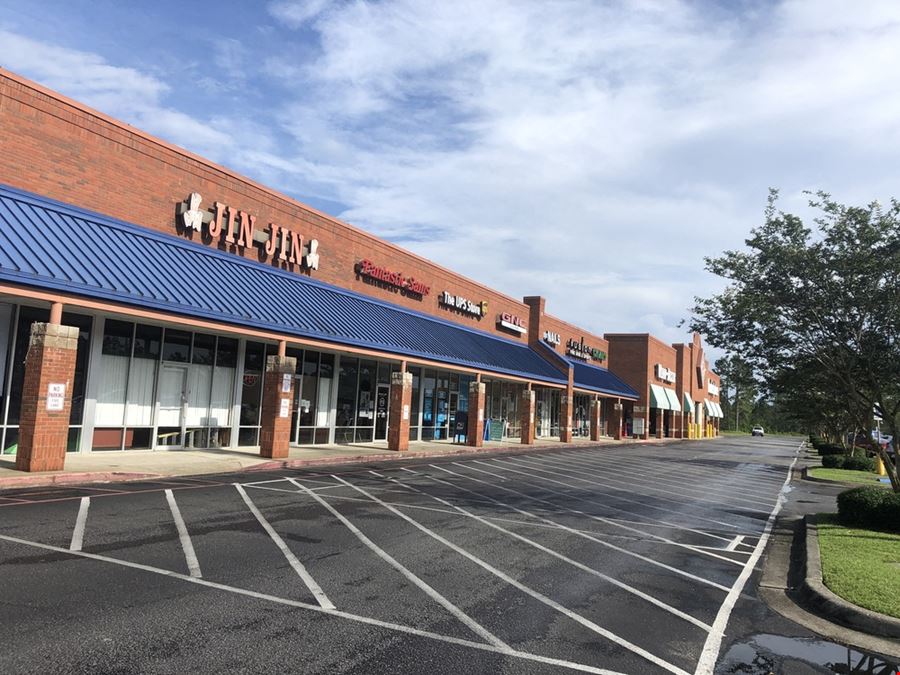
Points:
(173, 399)
(382, 402)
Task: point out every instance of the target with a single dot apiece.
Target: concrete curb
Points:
(394, 456)
(830, 605)
(42, 480)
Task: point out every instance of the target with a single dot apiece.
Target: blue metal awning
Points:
(600, 380)
(52, 246)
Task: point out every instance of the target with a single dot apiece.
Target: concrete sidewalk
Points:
(103, 467)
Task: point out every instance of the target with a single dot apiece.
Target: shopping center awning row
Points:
(600, 380)
(52, 246)
(664, 398)
(713, 409)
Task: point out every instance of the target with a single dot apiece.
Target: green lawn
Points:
(844, 475)
(861, 566)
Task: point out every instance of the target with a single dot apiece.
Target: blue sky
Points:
(590, 152)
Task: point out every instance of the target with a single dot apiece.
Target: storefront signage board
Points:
(237, 229)
(398, 281)
(56, 396)
(458, 303)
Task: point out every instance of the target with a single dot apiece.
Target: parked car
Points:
(757, 431)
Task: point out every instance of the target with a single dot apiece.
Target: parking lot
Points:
(624, 559)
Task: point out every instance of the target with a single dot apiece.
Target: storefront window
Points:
(312, 397)
(414, 408)
(346, 400)
(251, 392)
(177, 346)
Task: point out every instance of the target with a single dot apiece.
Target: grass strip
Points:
(861, 566)
(844, 475)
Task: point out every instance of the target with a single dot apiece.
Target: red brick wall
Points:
(56, 147)
(43, 433)
(628, 358)
(275, 430)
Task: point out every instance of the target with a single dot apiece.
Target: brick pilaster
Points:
(660, 426)
(275, 421)
(526, 416)
(565, 415)
(596, 408)
(398, 420)
(615, 419)
(475, 431)
(44, 429)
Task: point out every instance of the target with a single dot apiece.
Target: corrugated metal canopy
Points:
(52, 246)
(600, 380)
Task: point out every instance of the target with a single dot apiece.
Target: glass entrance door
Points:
(173, 399)
(382, 399)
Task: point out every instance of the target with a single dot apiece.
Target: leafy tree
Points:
(815, 312)
(738, 392)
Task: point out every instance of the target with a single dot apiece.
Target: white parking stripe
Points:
(638, 489)
(315, 608)
(710, 654)
(189, 555)
(476, 627)
(579, 533)
(596, 492)
(587, 623)
(648, 521)
(80, 520)
(734, 543)
(574, 563)
(724, 495)
(686, 469)
(311, 584)
(614, 523)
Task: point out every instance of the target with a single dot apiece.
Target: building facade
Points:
(151, 299)
(678, 394)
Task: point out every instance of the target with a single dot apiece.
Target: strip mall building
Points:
(150, 299)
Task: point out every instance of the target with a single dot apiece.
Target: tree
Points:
(738, 391)
(814, 312)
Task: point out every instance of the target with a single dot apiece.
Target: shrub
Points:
(833, 461)
(830, 449)
(856, 463)
(870, 507)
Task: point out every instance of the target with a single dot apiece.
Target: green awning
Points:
(673, 399)
(688, 404)
(663, 398)
(658, 398)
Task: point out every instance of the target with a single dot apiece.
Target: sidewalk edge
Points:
(825, 601)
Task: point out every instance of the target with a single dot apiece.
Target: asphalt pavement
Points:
(625, 559)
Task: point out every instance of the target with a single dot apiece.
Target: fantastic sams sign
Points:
(239, 229)
(399, 282)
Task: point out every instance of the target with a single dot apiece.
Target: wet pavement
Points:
(604, 559)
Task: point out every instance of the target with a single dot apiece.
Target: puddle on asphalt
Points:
(778, 655)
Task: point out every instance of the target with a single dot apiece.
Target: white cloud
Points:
(295, 13)
(591, 152)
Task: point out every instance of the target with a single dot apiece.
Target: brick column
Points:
(615, 419)
(527, 416)
(596, 408)
(277, 399)
(398, 419)
(47, 397)
(565, 415)
(475, 431)
(660, 423)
